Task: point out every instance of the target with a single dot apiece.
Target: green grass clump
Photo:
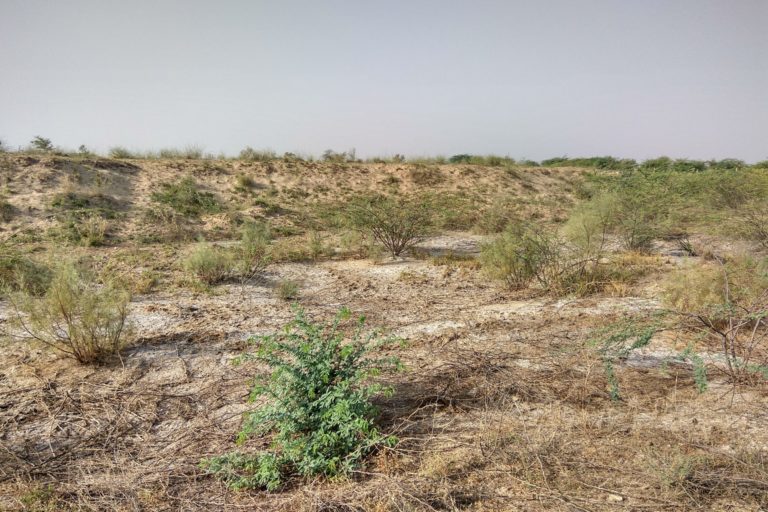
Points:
(210, 264)
(186, 198)
(316, 406)
(19, 272)
(287, 289)
(253, 155)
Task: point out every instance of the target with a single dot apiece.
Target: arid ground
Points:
(504, 403)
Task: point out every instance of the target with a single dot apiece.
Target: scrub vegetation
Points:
(179, 333)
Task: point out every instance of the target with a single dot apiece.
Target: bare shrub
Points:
(77, 316)
(398, 224)
(728, 303)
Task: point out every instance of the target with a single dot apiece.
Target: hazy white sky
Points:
(535, 79)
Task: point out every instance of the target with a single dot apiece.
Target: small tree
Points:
(317, 408)
(41, 143)
(398, 224)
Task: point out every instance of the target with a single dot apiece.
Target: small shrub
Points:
(318, 409)
(251, 155)
(7, 211)
(254, 252)
(398, 224)
(523, 254)
(496, 217)
(244, 183)
(41, 144)
(616, 342)
(287, 290)
(728, 302)
(186, 198)
(121, 153)
(425, 176)
(188, 153)
(19, 272)
(77, 315)
(210, 264)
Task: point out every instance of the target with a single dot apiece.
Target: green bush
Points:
(41, 144)
(18, 272)
(77, 315)
(524, 254)
(7, 210)
(121, 152)
(287, 289)
(317, 406)
(728, 300)
(398, 224)
(210, 264)
(252, 255)
(186, 198)
(252, 155)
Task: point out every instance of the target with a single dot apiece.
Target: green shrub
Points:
(77, 315)
(253, 253)
(41, 144)
(728, 301)
(497, 216)
(287, 289)
(188, 153)
(210, 264)
(19, 272)
(318, 408)
(186, 198)
(7, 211)
(252, 155)
(121, 152)
(398, 224)
(425, 176)
(523, 254)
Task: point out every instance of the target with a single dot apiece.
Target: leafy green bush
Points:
(318, 407)
(77, 315)
(186, 198)
(398, 224)
(41, 144)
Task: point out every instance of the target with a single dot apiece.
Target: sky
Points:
(527, 79)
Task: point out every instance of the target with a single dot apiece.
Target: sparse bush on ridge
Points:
(186, 198)
(318, 411)
(76, 315)
(41, 144)
(252, 155)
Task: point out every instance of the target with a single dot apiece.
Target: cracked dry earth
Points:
(502, 407)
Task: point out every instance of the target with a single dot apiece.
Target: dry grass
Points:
(503, 404)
